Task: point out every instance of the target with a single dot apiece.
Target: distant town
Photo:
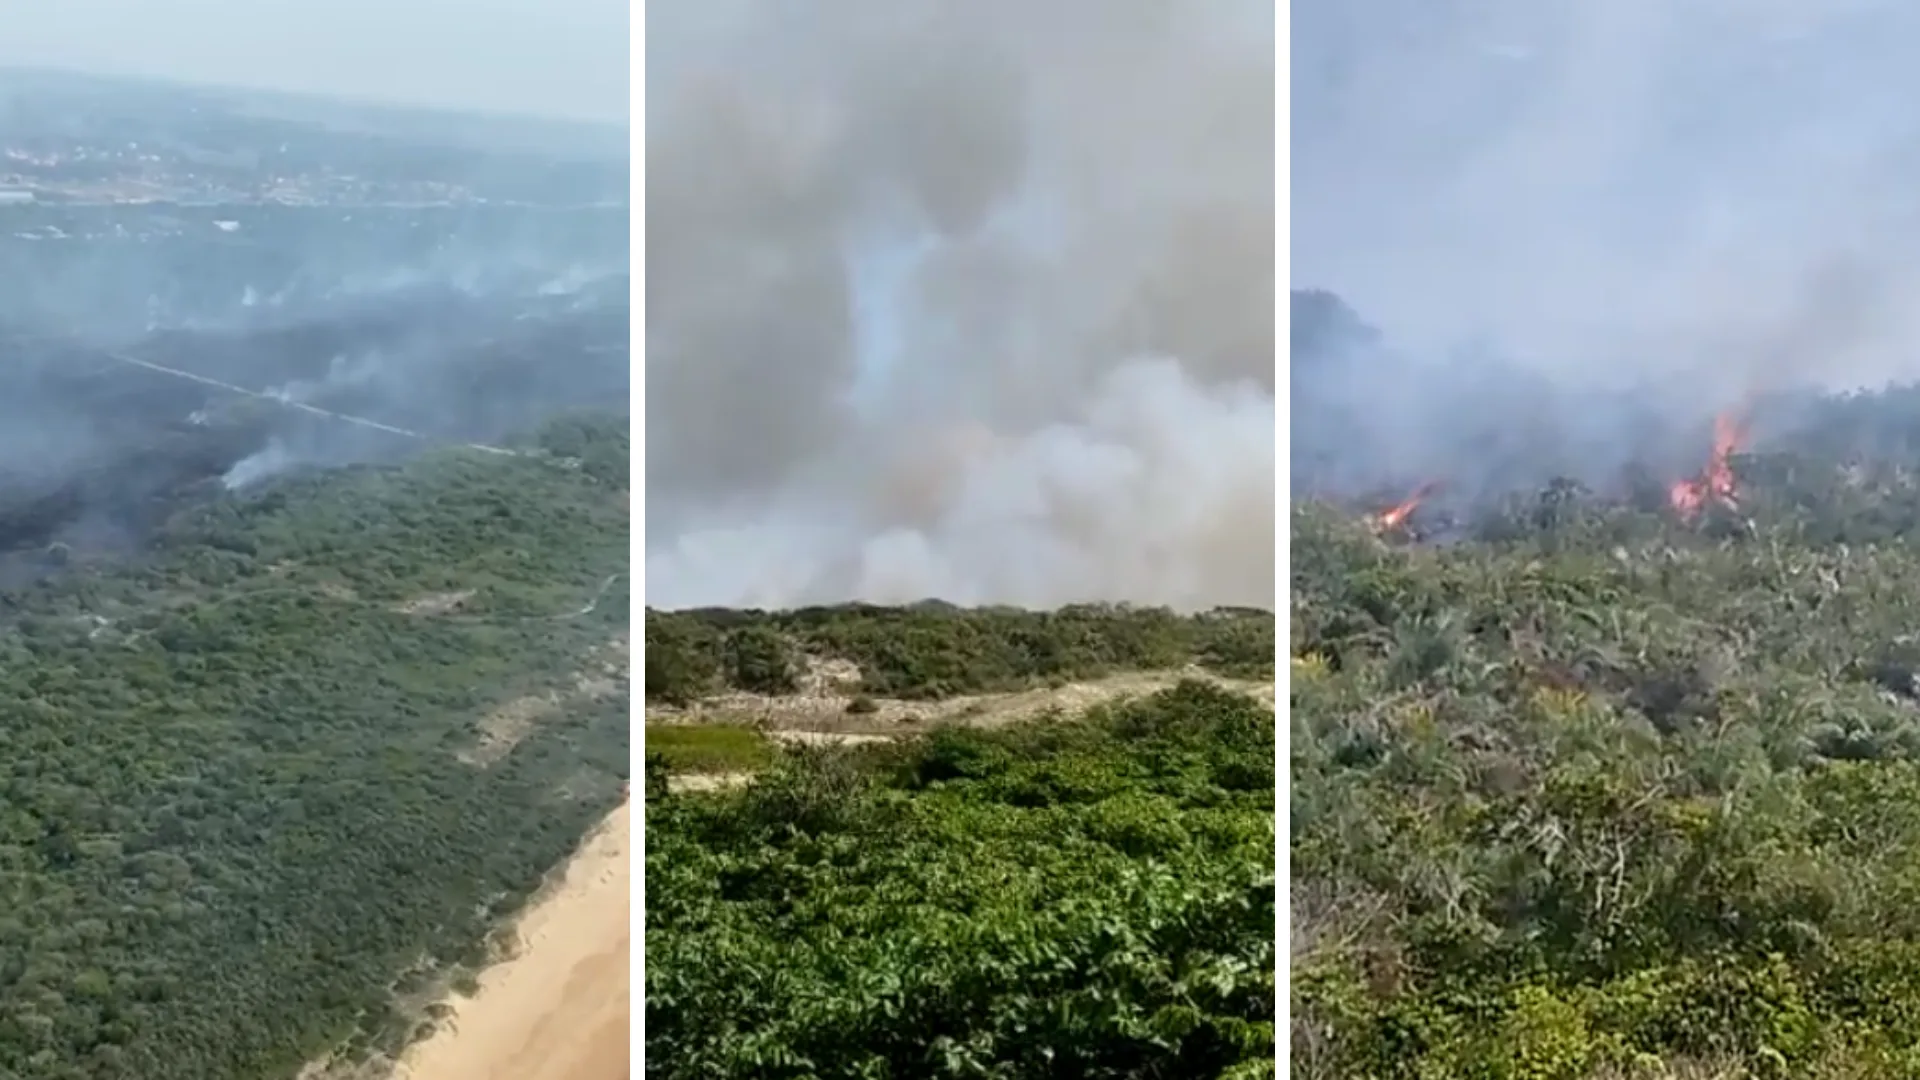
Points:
(131, 175)
(74, 140)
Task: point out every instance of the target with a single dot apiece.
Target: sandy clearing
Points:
(440, 603)
(703, 783)
(560, 1008)
(822, 705)
(826, 738)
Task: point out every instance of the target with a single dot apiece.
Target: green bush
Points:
(934, 651)
(1081, 897)
(682, 661)
(1597, 793)
(759, 661)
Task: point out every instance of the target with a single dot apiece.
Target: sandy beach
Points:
(559, 1009)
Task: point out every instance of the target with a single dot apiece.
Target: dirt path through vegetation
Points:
(559, 1009)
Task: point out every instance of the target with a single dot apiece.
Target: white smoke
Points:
(1704, 191)
(970, 301)
(1154, 493)
(270, 460)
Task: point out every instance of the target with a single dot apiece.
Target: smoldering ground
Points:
(1582, 228)
(961, 300)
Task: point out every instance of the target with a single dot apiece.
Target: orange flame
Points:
(1715, 483)
(1397, 516)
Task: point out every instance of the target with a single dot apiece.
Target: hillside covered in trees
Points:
(267, 790)
(1616, 775)
(1023, 889)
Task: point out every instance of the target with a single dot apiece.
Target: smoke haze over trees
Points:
(302, 695)
(1584, 228)
(172, 246)
(961, 300)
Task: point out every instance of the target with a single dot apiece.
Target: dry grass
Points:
(697, 783)
(825, 738)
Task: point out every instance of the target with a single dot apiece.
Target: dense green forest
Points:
(1073, 896)
(934, 650)
(255, 801)
(1585, 788)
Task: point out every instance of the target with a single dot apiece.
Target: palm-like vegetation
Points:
(1587, 791)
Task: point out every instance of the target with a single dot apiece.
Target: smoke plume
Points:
(200, 297)
(960, 300)
(1702, 199)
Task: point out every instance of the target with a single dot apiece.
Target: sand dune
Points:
(559, 1009)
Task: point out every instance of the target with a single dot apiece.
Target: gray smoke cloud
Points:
(1708, 198)
(198, 292)
(960, 300)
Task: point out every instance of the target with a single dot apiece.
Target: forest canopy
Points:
(259, 803)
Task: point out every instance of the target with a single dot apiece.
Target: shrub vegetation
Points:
(1086, 896)
(1587, 791)
(934, 650)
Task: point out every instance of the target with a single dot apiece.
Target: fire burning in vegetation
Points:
(1715, 482)
(1396, 516)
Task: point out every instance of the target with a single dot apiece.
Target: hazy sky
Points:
(565, 58)
(1617, 185)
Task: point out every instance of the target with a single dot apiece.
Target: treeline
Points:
(934, 650)
(242, 823)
